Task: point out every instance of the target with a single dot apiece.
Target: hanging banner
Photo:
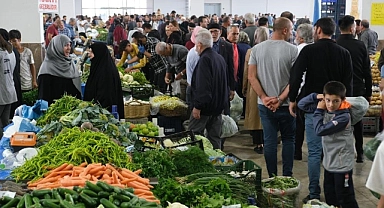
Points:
(48, 6)
(355, 9)
(377, 14)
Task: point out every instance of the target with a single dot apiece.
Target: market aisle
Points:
(241, 146)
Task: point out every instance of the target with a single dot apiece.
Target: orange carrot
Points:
(70, 182)
(108, 172)
(84, 164)
(118, 185)
(137, 185)
(93, 178)
(109, 181)
(137, 191)
(48, 186)
(114, 169)
(137, 172)
(97, 169)
(127, 180)
(114, 178)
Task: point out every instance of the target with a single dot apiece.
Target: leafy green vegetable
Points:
(155, 163)
(192, 160)
(30, 97)
(140, 78)
(281, 183)
(75, 147)
(59, 108)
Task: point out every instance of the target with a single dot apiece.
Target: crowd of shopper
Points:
(271, 62)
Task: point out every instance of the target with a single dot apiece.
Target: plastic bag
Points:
(176, 90)
(236, 107)
(281, 198)
(33, 112)
(371, 147)
(229, 127)
(359, 107)
(315, 203)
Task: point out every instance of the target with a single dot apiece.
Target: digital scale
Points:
(22, 140)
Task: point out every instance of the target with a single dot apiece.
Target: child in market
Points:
(27, 64)
(332, 121)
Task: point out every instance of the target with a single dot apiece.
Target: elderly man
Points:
(249, 19)
(176, 55)
(64, 30)
(268, 73)
(362, 78)
(209, 90)
(369, 37)
(52, 30)
(225, 49)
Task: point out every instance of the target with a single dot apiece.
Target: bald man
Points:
(268, 73)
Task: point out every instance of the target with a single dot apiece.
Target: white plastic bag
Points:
(176, 87)
(236, 107)
(359, 107)
(228, 127)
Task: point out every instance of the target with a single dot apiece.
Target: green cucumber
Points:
(47, 196)
(36, 200)
(56, 195)
(122, 198)
(88, 200)
(21, 203)
(128, 193)
(64, 191)
(125, 205)
(68, 198)
(12, 203)
(89, 193)
(5, 199)
(40, 193)
(93, 187)
(134, 200)
(54, 201)
(79, 205)
(49, 204)
(28, 200)
(103, 194)
(77, 189)
(65, 204)
(131, 190)
(107, 204)
(117, 190)
(116, 202)
(104, 186)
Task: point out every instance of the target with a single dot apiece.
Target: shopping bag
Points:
(359, 107)
(371, 147)
(236, 107)
(229, 127)
(176, 87)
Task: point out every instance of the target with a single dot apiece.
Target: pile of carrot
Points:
(68, 176)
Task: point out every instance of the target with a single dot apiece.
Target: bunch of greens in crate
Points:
(30, 97)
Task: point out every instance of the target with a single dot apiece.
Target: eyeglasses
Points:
(214, 31)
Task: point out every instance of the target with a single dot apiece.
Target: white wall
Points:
(196, 7)
(67, 7)
(255, 7)
(28, 21)
(367, 15)
(167, 6)
(78, 7)
(225, 5)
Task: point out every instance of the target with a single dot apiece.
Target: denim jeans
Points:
(315, 148)
(272, 122)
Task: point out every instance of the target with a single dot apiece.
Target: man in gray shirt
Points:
(369, 37)
(268, 73)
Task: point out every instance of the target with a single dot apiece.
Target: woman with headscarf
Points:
(103, 85)
(7, 89)
(58, 74)
(119, 34)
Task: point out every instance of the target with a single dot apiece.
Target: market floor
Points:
(241, 146)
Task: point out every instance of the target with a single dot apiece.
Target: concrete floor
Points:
(241, 146)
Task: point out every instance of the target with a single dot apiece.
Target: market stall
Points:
(372, 118)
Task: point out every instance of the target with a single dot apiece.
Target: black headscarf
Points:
(103, 84)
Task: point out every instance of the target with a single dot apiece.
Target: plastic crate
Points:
(144, 143)
(188, 137)
(171, 125)
(137, 120)
(370, 124)
(142, 92)
(251, 167)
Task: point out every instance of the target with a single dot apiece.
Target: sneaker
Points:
(360, 158)
(259, 150)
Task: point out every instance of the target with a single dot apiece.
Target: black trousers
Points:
(336, 193)
(300, 131)
(257, 136)
(358, 133)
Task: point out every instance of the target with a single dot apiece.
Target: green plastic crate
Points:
(245, 165)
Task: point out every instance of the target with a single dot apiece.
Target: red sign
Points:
(48, 6)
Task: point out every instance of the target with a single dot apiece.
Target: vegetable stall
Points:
(87, 158)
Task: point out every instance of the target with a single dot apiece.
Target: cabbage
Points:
(207, 144)
(214, 153)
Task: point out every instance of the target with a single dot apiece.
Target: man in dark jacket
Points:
(322, 61)
(209, 90)
(225, 49)
(362, 78)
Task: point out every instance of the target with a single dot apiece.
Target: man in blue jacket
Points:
(209, 90)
